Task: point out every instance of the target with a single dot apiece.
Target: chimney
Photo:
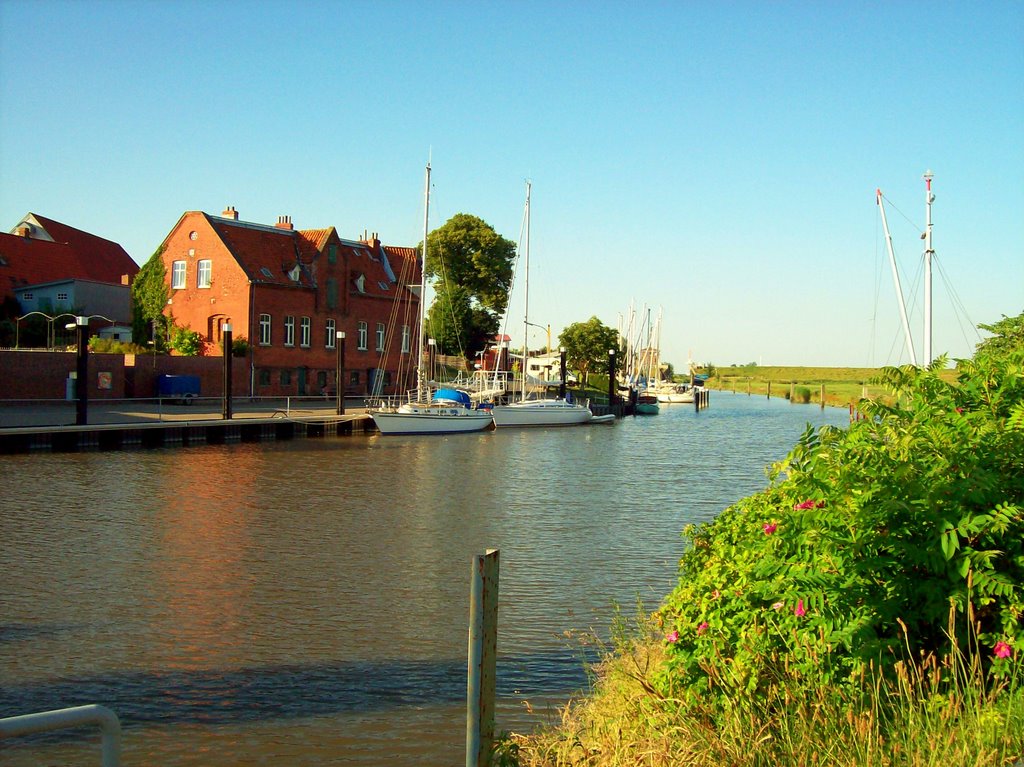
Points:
(284, 222)
(230, 212)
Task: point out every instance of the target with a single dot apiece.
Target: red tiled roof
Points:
(266, 254)
(24, 261)
(98, 259)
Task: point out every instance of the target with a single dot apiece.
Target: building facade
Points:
(288, 293)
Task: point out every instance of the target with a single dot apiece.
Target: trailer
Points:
(182, 389)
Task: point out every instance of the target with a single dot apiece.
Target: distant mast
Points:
(928, 253)
(896, 280)
(420, 373)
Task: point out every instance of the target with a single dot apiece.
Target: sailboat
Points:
(444, 411)
(539, 411)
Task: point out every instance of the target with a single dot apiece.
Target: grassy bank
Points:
(840, 386)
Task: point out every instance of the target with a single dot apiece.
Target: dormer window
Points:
(267, 273)
(295, 273)
(361, 283)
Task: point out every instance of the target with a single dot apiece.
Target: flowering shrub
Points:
(899, 537)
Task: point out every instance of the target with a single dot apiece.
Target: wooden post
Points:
(483, 648)
(769, 390)
(822, 395)
(611, 382)
(792, 390)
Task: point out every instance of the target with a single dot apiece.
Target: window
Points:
(286, 378)
(62, 296)
(332, 253)
(178, 275)
(205, 277)
(380, 336)
(304, 332)
(27, 297)
(361, 341)
(267, 273)
(289, 331)
(353, 378)
(383, 285)
(406, 345)
(321, 381)
(330, 334)
(265, 331)
(332, 293)
(264, 378)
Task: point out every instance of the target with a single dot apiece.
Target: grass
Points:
(938, 713)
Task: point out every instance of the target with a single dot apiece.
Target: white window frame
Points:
(289, 330)
(179, 275)
(204, 273)
(406, 340)
(264, 330)
(381, 330)
(362, 336)
(304, 333)
(329, 339)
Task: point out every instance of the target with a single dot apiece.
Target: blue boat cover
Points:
(451, 395)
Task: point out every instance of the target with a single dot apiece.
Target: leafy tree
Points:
(1008, 335)
(471, 267)
(149, 299)
(586, 346)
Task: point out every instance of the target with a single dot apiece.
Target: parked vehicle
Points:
(182, 389)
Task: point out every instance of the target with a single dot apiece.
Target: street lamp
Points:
(81, 325)
(546, 329)
(431, 356)
(339, 388)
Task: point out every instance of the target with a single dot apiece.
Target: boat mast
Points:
(526, 290)
(423, 288)
(896, 279)
(928, 253)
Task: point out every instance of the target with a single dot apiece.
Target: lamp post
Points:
(339, 388)
(611, 379)
(561, 363)
(431, 356)
(227, 370)
(82, 370)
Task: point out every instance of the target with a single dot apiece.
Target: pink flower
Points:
(1002, 650)
(672, 637)
(809, 504)
(799, 612)
(777, 606)
(702, 627)
(770, 528)
(716, 594)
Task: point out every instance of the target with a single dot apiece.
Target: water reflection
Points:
(307, 601)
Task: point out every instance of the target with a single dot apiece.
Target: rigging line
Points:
(960, 311)
(915, 226)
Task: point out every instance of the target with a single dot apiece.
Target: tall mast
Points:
(526, 290)
(423, 287)
(896, 279)
(928, 253)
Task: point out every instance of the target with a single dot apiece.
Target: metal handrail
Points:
(47, 721)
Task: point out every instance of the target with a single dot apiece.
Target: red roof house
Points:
(288, 293)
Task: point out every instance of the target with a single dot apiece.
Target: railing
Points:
(47, 721)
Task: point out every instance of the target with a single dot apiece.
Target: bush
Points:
(802, 395)
(187, 343)
(99, 345)
(899, 538)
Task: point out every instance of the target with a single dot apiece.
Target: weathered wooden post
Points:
(226, 344)
(769, 390)
(822, 395)
(483, 649)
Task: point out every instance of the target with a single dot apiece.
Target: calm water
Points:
(306, 602)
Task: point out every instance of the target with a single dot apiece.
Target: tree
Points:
(471, 267)
(149, 299)
(1008, 336)
(586, 346)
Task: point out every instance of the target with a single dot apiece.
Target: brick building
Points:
(53, 268)
(288, 293)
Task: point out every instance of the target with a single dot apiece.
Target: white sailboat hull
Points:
(429, 419)
(541, 413)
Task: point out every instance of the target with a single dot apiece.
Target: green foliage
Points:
(1008, 335)
(187, 343)
(457, 324)
(467, 253)
(149, 294)
(99, 345)
(239, 346)
(894, 539)
(802, 394)
(586, 346)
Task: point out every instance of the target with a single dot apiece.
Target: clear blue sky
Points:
(717, 160)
